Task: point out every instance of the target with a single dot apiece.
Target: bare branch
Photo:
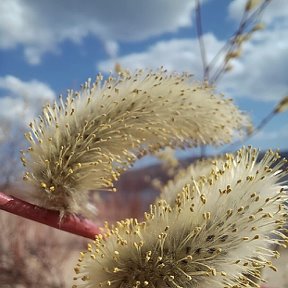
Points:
(199, 32)
(247, 20)
(69, 223)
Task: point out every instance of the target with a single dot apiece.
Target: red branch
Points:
(69, 223)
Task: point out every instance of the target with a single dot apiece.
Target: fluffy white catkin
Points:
(85, 141)
(218, 233)
(188, 175)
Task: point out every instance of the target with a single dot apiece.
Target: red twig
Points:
(69, 223)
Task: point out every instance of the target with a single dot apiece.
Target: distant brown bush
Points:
(33, 255)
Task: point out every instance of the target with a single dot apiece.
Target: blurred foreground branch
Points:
(69, 223)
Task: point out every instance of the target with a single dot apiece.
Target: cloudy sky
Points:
(47, 47)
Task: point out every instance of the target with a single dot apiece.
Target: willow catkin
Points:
(201, 169)
(217, 233)
(88, 140)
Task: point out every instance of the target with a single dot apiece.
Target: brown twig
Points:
(69, 223)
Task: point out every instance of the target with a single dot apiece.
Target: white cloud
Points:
(22, 100)
(262, 71)
(111, 48)
(175, 55)
(259, 74)
(40, 25)
(12, 109)
(32, 90)
(277, 9)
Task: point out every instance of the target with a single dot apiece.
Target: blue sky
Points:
(48, 47)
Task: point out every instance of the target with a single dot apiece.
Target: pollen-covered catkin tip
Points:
(85, 141)
(219, 232)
